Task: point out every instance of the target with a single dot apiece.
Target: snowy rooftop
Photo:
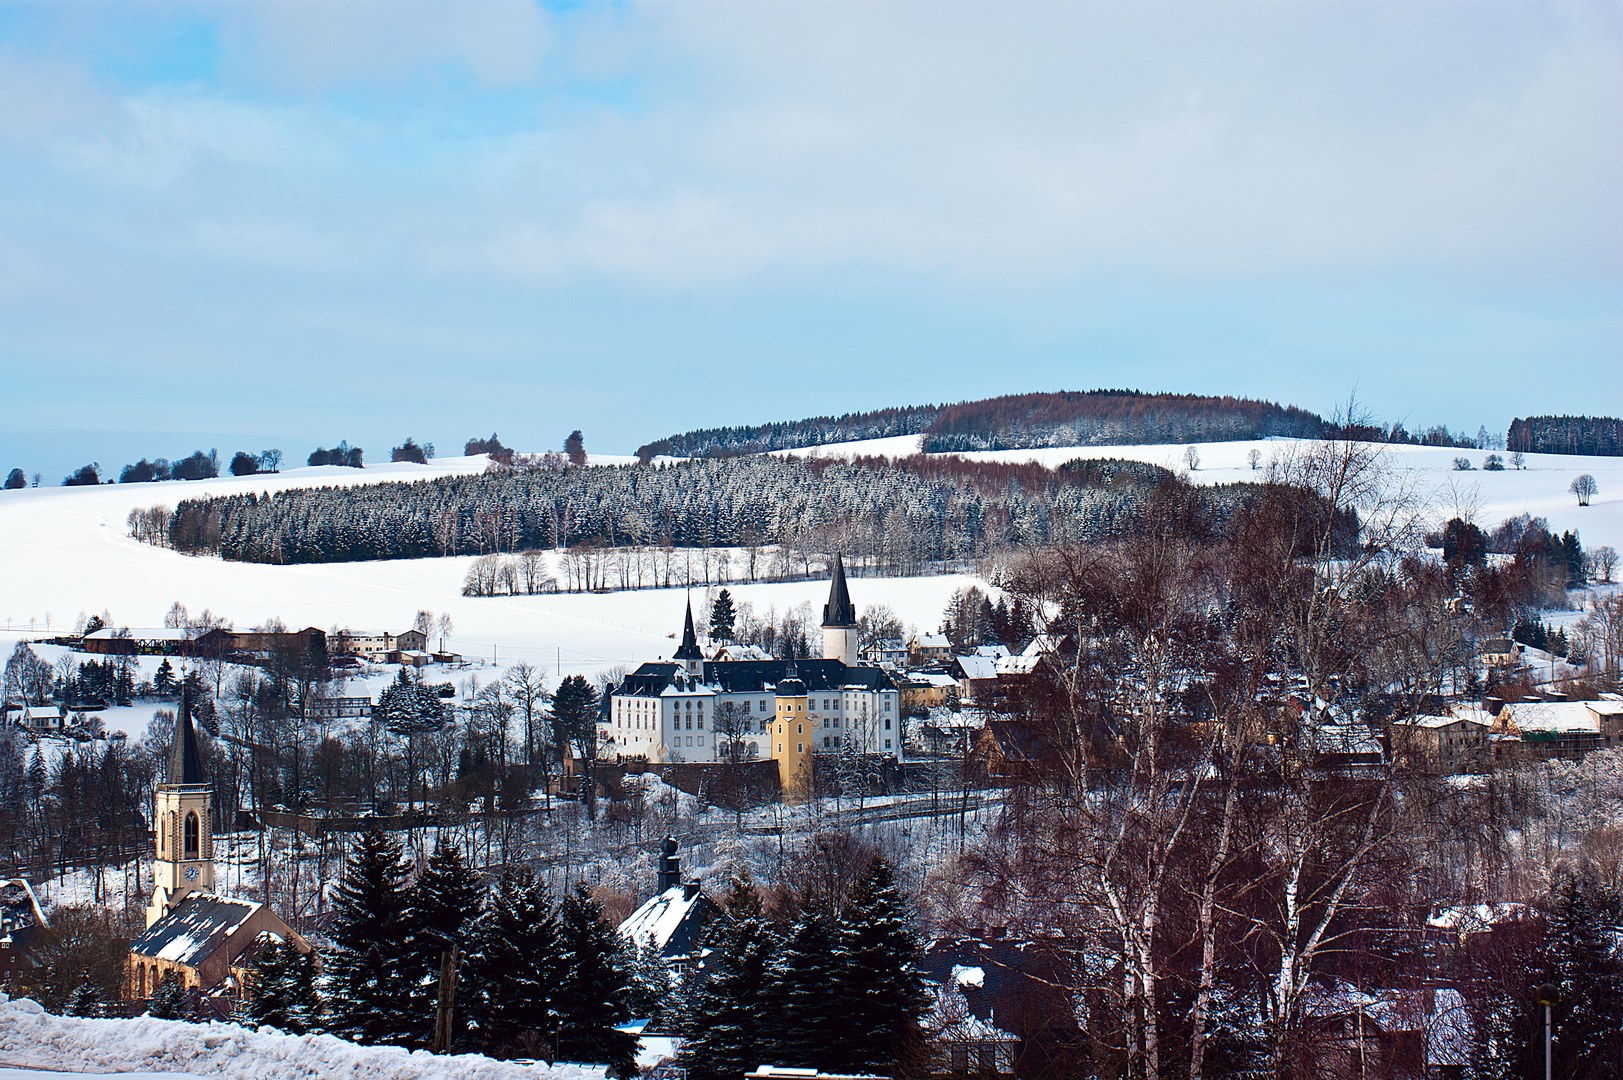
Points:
(672, 920)
(1438, 721)
(139, 633)
(197, 927)
(978, 667)
(1555, 716)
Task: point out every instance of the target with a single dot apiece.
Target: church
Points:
(205, 940)
(693, 709)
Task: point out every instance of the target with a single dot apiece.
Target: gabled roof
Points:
(977, 667)
(1438, 721)
(185, 757)
(839, 610)
(1573, 717)
(672, 920)
(199, 924)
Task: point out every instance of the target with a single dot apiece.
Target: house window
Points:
(800, 729)
(800, 748)
(825, 742)
(191, 836)
(887, 723)
(887, 744)
(701, 740)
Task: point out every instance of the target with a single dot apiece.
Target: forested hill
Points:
(1016, 421)
(1598, 435)
(900, 516)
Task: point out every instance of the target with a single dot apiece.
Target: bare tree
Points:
(1254, 456)
(1584, 487)
(1191, 458)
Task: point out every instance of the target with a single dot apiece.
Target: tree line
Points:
(1601, 436)
(893, 514)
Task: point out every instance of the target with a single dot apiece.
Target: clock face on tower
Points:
(191, 873)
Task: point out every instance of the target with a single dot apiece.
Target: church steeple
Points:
(839, 610)
(840, 632)
(185, 759)
(689, 652)
(182, 822)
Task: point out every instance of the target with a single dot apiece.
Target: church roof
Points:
(839, 610)
(791, 685)
(185, 756)
(672, 921)
(689, 649)
(200, 924)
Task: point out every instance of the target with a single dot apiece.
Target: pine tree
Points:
(443, 903)
(86, 999)
(799, 992)
(881, 995)
(168, 1000)
(368, 968)
(164, 681)
(592, 988)
(1579, 942)
(728, 1032)
(723, 616)
(653, 985)
(513, 968)
(282, 989)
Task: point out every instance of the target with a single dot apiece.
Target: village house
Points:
(375, 646)
(1500, 653)
(1541, 730)
(1441, 744)
(929, 650)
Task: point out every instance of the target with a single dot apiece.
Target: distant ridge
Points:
(1016, 421)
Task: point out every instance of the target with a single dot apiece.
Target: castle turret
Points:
(182, 822)
(688, 652)
(791, 742)
(841, 637)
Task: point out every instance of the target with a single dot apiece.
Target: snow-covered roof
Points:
(1475, 916)
(1023, 664)
(994, 651)
(139, 633)
(199, 924)
(933, 641)
(1554, 716)
(932, 678)
(1437, 721)
(672, 920)
(978, 667)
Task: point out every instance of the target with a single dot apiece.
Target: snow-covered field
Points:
(66, 551)
(1540, 489)
(35, 1044)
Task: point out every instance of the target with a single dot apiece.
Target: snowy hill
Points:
(32, 1039)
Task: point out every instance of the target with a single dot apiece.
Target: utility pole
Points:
(447, 1000)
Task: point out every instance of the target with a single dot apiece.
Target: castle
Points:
(690, 709)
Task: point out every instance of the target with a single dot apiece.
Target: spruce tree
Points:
(86, 999)
(882, 999)
(592, 988)
(168, 1000)
(729, 1033)
(653, 985)
(800, 992)
(368, 967)
(723, 616)
(1579, 943)
(282, 990)
(442, 904)
(511, 975)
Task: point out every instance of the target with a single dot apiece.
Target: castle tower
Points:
(841, 638)
(791, 741)
(692, 659)
(182, 822)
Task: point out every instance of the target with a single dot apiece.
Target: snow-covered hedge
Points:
(30, 1037)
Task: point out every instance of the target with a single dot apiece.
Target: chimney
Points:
(690, 889)
(670, 866)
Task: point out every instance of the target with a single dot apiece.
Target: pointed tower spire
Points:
(185, 757)
(839, 610)
(689, 650)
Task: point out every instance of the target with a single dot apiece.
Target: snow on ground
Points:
(32, 1039)
(67, 551)
(1540, 489)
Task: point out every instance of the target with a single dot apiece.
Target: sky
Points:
(240, 226)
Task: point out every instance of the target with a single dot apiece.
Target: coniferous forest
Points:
(940, 510)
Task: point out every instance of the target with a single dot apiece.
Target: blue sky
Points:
(243, 226)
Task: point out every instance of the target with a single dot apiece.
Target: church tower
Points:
(692, 659)
(791, 742)
(185, 836)
(840, 634)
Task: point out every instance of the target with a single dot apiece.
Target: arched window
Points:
(141, 980)
(191, 836)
